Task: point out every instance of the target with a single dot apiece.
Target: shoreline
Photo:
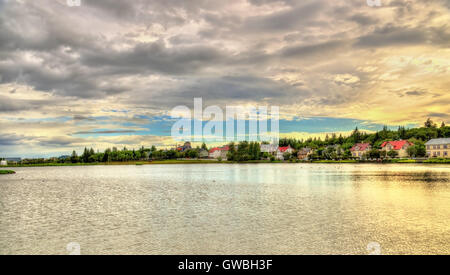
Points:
(168, 162)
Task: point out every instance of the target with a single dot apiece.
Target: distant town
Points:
(429, 143)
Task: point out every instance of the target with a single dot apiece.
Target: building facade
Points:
(304, 153)
(269, 148)
(283, 150)
(203, 153)
(400, 146)
(360, 149)
(219, 152)
(438, 148)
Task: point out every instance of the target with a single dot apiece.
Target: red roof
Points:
(398, 145)
(283, 149)
(224, 148)
(360, 147)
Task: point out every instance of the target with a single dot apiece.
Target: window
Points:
(438, 153)
(445, 153)
(445, 146)
(428, 147)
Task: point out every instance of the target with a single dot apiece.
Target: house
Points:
(283, 150)
(438, 148)
(269, 148)
(360, 149)
(3, 163)
(203, 154)
(400, 146)
(13, 160)
(304, 153)
(219, 152)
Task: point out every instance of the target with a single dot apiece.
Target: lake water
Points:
(227, 209)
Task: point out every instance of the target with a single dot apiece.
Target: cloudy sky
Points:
(107, 73)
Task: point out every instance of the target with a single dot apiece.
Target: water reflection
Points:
(226, 209)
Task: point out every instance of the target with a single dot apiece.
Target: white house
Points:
(3, 163)
(203, 154)
(219, 152)
(269, 148)
(283, 150)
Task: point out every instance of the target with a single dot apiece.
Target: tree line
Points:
(326, 149)
(333, 146)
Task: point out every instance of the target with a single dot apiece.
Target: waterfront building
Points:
(269, 148)
(283, 150)
(360, 149)
(438, 148)
(304, 153)
(400, 146)
(219, 152)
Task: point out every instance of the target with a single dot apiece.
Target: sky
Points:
(107, 73)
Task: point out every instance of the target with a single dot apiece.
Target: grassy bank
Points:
(197, 161)
(438, 160)
(138, 163)
(6, 172)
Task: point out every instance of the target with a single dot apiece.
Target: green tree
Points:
(374, 154)
(74, 158)
(204, 147)
(392, 154)
(429, 123)
(417, 150)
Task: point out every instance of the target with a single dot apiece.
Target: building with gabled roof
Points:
(219, 152)
(438, 148)
(360, 149)
(401, 146)
(283, 150)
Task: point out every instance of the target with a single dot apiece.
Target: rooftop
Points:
(360, 147)
(397, 144)
(438, 141)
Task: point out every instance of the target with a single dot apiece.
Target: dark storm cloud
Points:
(415, 93)
(146, 57)
(286, 20)
(363, 19)
(313, 50)
(156, 57)
(59, 141)
(440, 115)
(390, 35)
(10, 139)
(83, 63)
(81, 117)
(226, 90)
(8, 104)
